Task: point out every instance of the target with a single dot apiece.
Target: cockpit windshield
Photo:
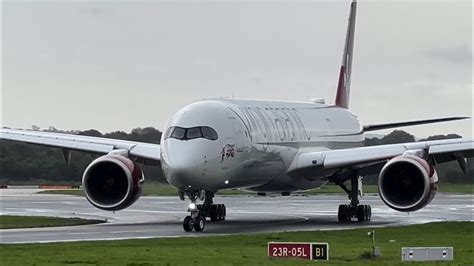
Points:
(191, 133)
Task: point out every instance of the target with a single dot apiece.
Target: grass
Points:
(456, 188)
(34, 182)
(159, 189)
(11, 221)
(345, 247)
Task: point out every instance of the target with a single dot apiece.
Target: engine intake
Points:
(407, 183)
(112, 182)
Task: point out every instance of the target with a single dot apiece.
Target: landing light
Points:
(192, 206)
(226, 182)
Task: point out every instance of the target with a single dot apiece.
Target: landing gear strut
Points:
(198, 212)
(353, 210)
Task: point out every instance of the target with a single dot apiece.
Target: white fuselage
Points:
(257, 142)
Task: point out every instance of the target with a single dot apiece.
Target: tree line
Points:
(26, 163)
(449, 172)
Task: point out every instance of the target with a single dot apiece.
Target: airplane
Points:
(266, 147)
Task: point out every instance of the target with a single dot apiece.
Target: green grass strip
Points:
(158, 189)
(345, 247)
(11, 221)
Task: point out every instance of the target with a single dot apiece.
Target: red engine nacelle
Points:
(112, 182)
(407, 183)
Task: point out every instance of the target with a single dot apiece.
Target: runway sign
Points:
(427, 253)
(320, 251)
(303, 250)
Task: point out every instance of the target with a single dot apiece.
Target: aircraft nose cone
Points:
(184, 169)
(181, 177)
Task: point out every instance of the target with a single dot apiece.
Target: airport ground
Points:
(242, 239)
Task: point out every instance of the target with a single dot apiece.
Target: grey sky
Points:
(116, 66)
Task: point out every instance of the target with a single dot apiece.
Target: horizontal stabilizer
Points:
(411, 123)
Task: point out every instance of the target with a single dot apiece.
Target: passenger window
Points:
(194, 133)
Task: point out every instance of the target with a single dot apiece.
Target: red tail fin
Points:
(344, 85)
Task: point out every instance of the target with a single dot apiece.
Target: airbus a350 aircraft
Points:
(263, 146)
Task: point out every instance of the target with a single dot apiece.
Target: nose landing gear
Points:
(198, 212)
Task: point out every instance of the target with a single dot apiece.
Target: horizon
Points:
(76, 131)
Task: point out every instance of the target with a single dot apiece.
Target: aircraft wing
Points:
(68, 142)
(364, 157)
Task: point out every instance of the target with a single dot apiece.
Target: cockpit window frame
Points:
(195, 136)
(212, 133)
(206, 132)
(178, 133)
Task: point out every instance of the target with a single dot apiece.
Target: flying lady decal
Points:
(227, 151)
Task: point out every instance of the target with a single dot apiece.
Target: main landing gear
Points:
(198, 212)
(353, 210)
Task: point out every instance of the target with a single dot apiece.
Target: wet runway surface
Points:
(162, 216)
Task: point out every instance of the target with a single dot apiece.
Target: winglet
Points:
(344, 84)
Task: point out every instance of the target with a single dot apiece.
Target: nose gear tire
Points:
(188, 224)
(199, 224)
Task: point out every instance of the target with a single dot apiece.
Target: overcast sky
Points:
(116, 66)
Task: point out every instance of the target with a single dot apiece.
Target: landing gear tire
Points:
(368, 212)
(199, 212)
(354, 209)
(363, 213)
(199, 224)
(188, 224)
(213, 213)
(224, 212)
(344, 213)
(221, 212)
(217, 212)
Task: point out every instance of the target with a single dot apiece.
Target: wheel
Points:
(369, 213)
(213, 213)
(199, 223)
(188, 224)
(343, 213)
(361, 213)
(219, 212)
(224, 212)
(340, 211)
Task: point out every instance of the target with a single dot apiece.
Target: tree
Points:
(31, 163)
(440, 137)
(91, 133)
(398, 136)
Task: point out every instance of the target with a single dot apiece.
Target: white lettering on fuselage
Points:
(271, 124)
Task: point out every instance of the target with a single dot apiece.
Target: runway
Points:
(154, 217)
